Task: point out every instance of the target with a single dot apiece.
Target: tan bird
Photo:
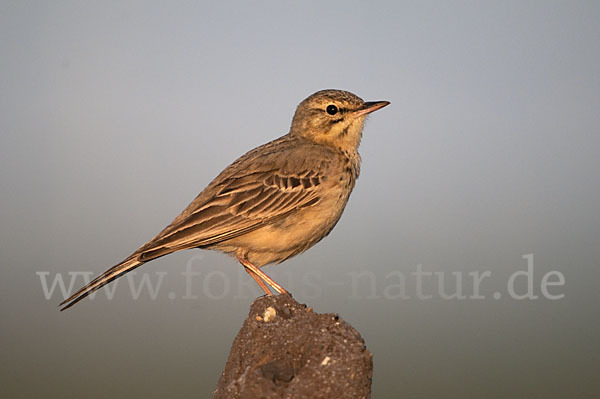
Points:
(275, 201)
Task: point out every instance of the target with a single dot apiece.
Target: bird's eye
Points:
(332, 109)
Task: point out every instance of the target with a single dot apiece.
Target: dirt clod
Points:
(296, 354)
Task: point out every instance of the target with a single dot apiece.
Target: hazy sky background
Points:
(114, 115)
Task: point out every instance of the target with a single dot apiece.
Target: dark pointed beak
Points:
(369, 107)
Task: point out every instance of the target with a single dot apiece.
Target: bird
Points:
(275, 201)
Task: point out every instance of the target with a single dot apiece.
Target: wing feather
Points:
(239, 206)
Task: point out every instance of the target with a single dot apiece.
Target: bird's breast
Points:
(301, 229)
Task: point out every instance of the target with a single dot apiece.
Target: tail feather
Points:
(111, 274)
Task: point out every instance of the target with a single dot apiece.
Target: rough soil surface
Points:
(285, 350)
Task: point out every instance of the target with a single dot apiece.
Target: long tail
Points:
(111, 274)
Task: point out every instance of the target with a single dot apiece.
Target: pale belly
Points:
(290, 236)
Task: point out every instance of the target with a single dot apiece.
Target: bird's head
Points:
(334, 118)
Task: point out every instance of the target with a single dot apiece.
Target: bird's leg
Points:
(258, 280)
(261, 278)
